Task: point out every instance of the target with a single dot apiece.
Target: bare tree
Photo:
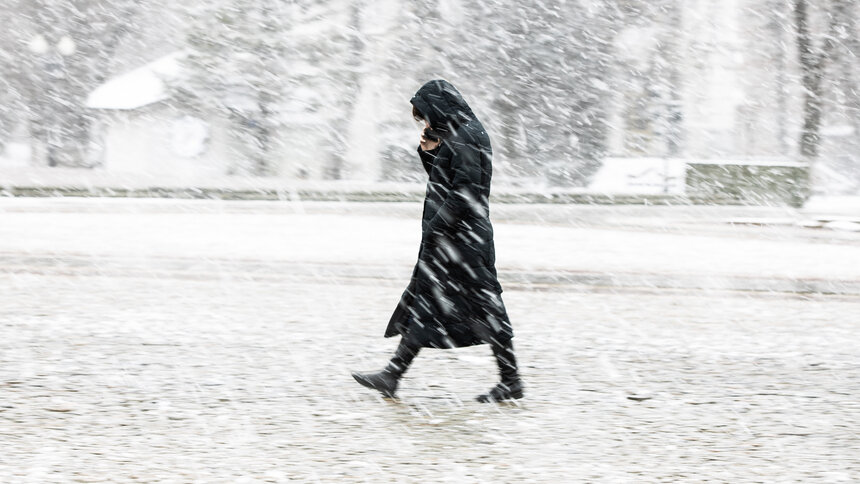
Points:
(777, 27)
(650, 79)
(349, 76)
(673, 126)
(813, 61)
(10, 96)
(545, 67)
(845, 73)
(250, 57)
(64, 50)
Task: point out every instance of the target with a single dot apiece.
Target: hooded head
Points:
(442, 106)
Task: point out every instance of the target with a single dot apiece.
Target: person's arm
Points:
(428, 148)
(428, 157)
(462, 198)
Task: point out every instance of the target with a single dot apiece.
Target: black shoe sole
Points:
(366, 383)
(487, 398)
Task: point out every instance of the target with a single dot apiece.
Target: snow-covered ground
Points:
(162, 340)
(538, 239)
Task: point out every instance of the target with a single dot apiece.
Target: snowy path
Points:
(213, 342)
(688, 248)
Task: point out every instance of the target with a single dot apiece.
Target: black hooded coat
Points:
(454, 296)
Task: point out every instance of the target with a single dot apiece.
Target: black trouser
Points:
(503, 352)
(505, 359)
(403, 356)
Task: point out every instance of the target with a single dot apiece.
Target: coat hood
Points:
(442, 105)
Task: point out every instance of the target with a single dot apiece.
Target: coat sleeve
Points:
(462, 199)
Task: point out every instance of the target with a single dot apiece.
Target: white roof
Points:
(140, 87)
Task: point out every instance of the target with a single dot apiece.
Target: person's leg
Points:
(506, 361)
(386, 380)
(402, 359)
(511, 386)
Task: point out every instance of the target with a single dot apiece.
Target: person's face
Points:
(420, 119)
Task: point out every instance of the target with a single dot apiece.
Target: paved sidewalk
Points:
(164, 341)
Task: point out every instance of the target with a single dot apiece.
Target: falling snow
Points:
(209, 209)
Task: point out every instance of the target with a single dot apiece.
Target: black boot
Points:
(511, 386)
(385, 381)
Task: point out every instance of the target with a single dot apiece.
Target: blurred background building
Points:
(300, 89)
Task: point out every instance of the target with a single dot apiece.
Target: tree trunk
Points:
(844, 32)
(812, 64)
(674, 113)
(336, 162)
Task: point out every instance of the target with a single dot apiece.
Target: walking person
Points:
(454, 296)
